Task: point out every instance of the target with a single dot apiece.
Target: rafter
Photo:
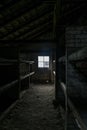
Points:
(30, 26)
(22, 21)
(11, 15)
(35, 31)
(7, 4)
(39, 34)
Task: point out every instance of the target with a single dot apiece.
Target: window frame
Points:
(45, 60)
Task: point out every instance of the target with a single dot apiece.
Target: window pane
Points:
(40, 64)
(46, 58)
(46, 64)
(40, 58)
(43, 61)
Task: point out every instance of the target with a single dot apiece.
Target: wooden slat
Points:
(8, 85)
(75, 112)
(2, 60)
(26, 61)
(35, 31)
(27, 75)
(80, 55)
(25, 26)
(14, 82)
(16, 10)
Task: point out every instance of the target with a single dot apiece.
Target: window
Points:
(43, 61)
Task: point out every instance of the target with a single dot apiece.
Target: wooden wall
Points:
(9, 85)
(14, 75)
(42, 75)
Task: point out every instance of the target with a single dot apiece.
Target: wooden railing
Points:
(74, 111)
(27, 75)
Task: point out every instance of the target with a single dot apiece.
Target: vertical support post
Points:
(29, 73)
(19, 78)
(60, 51)
(66, 100)
(57, 10)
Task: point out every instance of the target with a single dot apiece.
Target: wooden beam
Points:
(76, 114)
(25, 27)
(27, 75)
(37, 29)
(8, 85)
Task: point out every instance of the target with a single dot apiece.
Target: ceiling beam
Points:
(12, 14)
(28, 25)
(38, 34)
(35, 31)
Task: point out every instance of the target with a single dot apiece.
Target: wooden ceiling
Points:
(34, 20)
(26, 19)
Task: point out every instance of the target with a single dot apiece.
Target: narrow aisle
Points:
(34, 111)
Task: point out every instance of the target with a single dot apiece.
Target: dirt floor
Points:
(34, 111)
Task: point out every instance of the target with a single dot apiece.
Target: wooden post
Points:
(60, 51)
(19, 76)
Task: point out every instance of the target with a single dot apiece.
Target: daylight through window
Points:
(43, 61)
